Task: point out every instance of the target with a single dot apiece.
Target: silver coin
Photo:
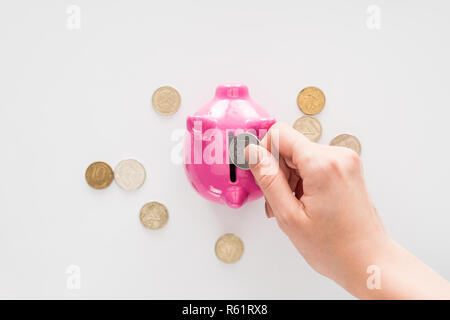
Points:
(347, 141)
(129, 174)
(154, 215)
(237, 147)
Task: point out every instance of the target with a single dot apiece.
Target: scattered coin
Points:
(309, 126)
(154, 215)
(311, 100)
(237, 147)
(229, 248)
(166, 100)
(348, 141)
(99, 175)
(129, 174)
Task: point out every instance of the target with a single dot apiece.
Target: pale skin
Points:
(318, 197)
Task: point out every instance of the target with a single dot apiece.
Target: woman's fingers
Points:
(268, 209)
(273, 183)
(289, 143)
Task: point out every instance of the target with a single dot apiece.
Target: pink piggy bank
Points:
(206, 153)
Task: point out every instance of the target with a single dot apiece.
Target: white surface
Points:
(69, 98)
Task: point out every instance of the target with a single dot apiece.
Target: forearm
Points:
(385, 270)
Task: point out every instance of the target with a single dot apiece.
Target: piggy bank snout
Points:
(235, 196)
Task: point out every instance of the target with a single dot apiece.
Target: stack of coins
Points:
(311, 101)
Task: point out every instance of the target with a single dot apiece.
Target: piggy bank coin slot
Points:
(232, 166)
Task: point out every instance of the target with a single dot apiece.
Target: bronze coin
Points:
(99, 175)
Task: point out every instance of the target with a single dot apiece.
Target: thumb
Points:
(273, 183)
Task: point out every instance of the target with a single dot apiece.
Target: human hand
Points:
(319, 199)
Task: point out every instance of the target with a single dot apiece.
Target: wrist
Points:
(362, 264)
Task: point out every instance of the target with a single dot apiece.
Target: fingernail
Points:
(253, 155)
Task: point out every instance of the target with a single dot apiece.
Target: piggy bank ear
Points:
(200, 124)
(261, 126)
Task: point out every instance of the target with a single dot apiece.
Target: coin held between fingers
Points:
(237, 148)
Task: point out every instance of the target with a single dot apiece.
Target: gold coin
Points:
(154, 215)
(311, 100)
(348, 141)
(99, 175)
(309, 126)
(166, 100)
(229, 248)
